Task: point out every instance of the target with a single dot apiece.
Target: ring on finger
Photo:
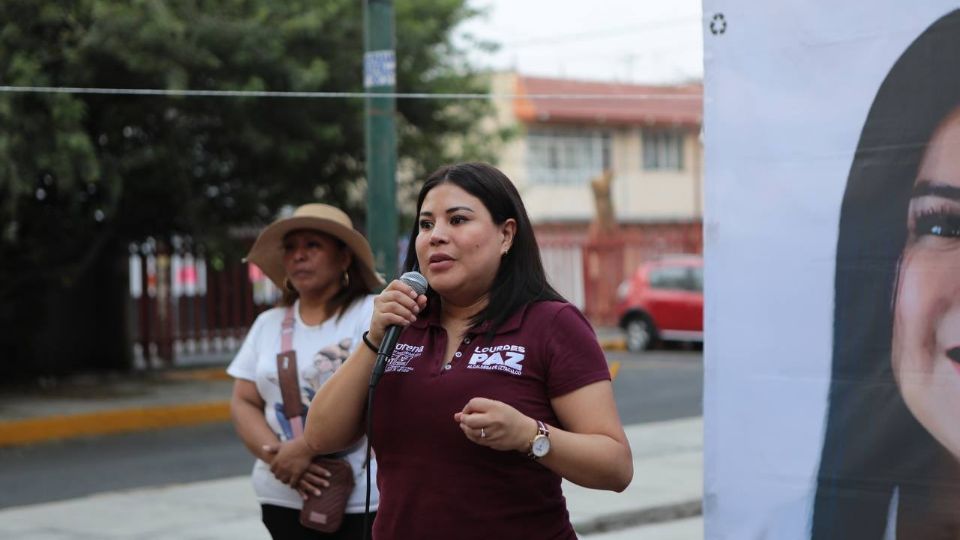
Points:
(483, 434)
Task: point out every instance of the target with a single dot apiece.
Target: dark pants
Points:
(284, 524)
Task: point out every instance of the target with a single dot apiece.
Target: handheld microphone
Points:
(418, 283)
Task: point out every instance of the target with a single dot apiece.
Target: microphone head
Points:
(416, 281)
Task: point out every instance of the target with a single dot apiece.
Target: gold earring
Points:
(345, 280)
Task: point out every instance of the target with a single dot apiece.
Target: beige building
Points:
(649, 136)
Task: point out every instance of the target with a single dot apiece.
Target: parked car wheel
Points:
(639, 334)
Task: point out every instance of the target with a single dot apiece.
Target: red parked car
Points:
(663, 300)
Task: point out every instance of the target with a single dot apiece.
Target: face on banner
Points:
(897, 310)
(897, 316)
(926, 332)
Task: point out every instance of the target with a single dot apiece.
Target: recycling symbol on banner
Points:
(718, 24)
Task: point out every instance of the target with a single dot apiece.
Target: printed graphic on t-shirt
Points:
(399, 362)
(312, 376)
(325, 362)
(507, 358)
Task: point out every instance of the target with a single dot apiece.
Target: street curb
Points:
(642, 516)
(201, 374)
(613, 344)
(19, 432)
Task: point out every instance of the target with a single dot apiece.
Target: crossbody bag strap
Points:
(289, 375)
(286, 330)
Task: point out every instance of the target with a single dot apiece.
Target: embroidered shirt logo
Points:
(508, 358)
(403, 354)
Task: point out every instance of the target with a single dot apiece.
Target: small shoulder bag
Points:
(323, 513)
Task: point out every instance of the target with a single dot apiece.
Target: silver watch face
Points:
(541, 445)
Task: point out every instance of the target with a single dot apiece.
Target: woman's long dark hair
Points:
(520, 279)
(872, 443)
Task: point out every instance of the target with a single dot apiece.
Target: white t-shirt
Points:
(320, 351)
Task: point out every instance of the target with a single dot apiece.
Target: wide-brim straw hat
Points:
(267, 251)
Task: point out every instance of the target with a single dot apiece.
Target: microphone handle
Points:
(386, 349)
(418, 283)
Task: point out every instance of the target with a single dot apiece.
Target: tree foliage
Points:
(82, 174)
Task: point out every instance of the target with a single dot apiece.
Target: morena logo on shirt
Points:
(506, 358)
(403, 354)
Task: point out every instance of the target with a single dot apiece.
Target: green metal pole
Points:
(379, 76)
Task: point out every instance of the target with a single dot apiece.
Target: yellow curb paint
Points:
(105, 422)
(614, 369)
(613, 345)
(211, 374)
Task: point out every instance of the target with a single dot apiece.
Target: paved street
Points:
(658, 385)
(71, 468)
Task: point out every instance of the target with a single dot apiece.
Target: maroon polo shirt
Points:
(437, 484)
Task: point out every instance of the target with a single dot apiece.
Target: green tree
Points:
(82, 175)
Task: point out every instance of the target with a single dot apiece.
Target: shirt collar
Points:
(432, 318)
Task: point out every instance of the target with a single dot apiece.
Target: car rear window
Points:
(679, 278)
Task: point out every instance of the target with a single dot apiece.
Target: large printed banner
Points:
(832, 239)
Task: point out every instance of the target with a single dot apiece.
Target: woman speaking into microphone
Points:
(496, 390)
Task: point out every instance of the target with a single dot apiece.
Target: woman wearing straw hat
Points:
(325, 269)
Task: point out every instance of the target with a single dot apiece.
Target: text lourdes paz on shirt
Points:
(506, 358)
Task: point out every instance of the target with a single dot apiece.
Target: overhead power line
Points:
(330, 95)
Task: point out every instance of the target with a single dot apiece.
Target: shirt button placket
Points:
(458, 354)
(449, 365)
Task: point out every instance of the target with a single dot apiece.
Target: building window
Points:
(566, 157)
(662, 150)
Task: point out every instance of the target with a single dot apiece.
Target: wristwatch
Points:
(540, 444)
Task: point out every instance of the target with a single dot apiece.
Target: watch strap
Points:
(542, 431)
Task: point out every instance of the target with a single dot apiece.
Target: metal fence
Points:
(563, 264)
(186, 308)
